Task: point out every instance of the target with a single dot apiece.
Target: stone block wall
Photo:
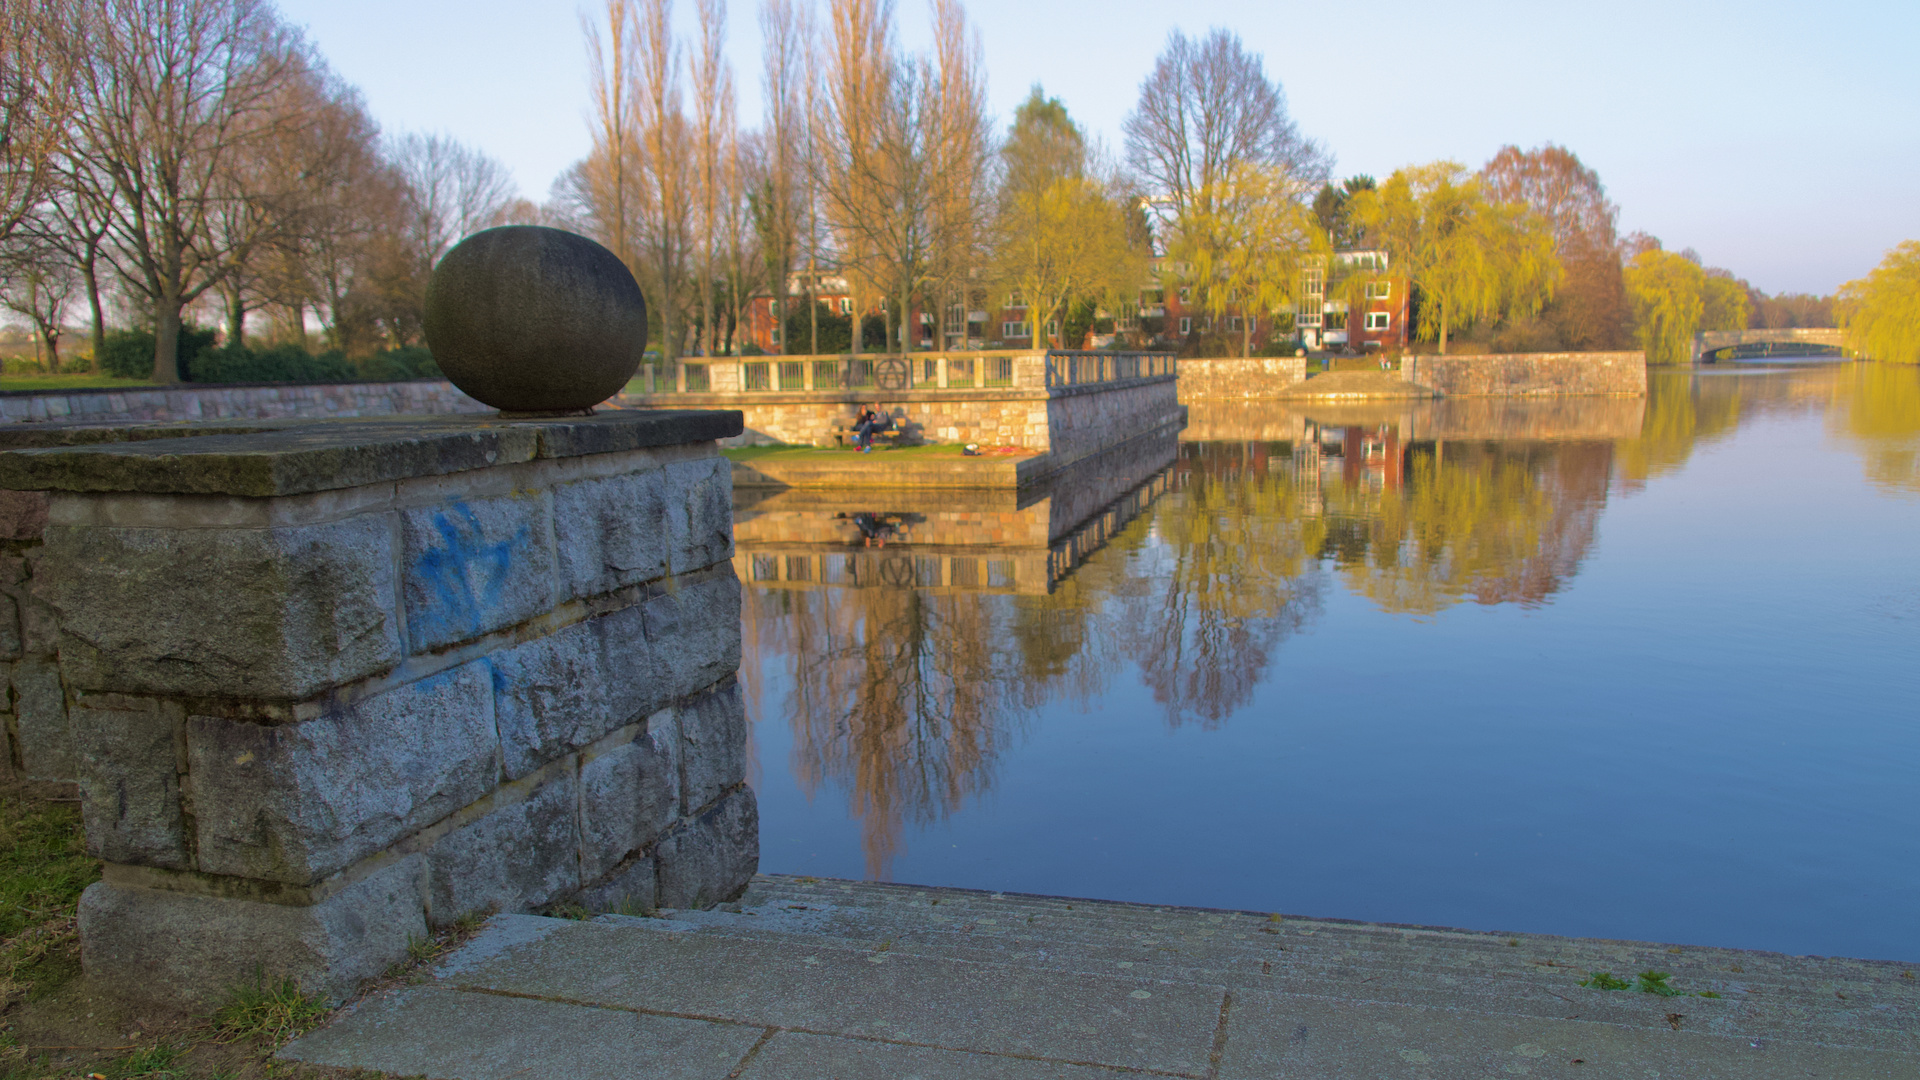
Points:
(35, 743)
(190, 402)
(328, 687)
(1231, 379)
(1083, 421)
(1530, 374)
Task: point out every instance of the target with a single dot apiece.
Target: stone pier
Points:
(325, 686)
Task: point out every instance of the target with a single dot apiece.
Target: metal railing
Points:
(893, 373)
(1087, 368)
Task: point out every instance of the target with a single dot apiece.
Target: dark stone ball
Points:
(536, 320)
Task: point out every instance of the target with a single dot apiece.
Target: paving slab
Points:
(439, 1032)
(818, 978)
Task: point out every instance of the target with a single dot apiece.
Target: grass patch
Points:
(880, 452)
(268, 1012)
(1604, 980)
(43, 867)
(1655, 982)
(76, 381)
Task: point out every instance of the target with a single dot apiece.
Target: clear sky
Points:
(1780, 140)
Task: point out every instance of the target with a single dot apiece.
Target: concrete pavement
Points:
(811, 978)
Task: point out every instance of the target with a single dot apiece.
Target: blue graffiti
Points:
(464, 577)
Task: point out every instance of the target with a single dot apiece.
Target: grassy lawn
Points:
(55, 1024)
(77, 381)
(880, 450)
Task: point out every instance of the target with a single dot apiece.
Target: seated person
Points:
(871, 419)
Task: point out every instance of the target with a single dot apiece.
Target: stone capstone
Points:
(531, 319)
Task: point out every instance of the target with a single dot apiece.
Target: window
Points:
(846, 306)
(1379, 290)
(1379, 320)
(1053, 326)
(1186, 325)
(1233, 324)
(1186, 294)
(1015, 330)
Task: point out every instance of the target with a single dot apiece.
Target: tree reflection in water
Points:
(1876, 408)
(906, 696)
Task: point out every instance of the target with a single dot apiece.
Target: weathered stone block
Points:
(274, 613)
(699, 512)
(176, 948)
(636, 683)
(9, 628)
(474, 566)
(628, 796)
(550, 698)
(629, 890)
(128, 768)
(23, 514)
(611, 532)
(694, 630)
(297, 802)
(40, 715)
(711, 858)
(713, 745)
(515, 857)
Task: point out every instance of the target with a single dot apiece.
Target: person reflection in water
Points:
(875, 529)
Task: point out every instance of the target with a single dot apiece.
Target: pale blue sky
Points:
(1780, 140)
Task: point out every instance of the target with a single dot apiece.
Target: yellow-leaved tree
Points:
(1060, 234)
(1881, 312)
(1241, 243)
(1673, 299)
(1474, 258)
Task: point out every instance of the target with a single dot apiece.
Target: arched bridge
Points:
(1707, 344)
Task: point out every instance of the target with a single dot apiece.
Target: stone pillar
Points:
(332, 685)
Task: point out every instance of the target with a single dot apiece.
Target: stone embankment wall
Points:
(188, 402)
(329, 686)
(1530, 374)
(1066, 422)
(1006, 417)
(1229, 379)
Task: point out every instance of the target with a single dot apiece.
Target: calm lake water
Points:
(1624, 669)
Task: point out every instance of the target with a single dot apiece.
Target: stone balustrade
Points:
(326, 686)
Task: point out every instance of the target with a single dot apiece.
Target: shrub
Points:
(396, 365)
(128, 354)
(282, 363)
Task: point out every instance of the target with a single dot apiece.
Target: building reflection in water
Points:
(915, 636)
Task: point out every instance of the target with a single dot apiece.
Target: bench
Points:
(902, 433)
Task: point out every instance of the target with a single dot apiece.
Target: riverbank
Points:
(806, 976)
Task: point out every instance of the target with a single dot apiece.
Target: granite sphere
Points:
(535, 320)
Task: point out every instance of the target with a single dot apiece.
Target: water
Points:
(1594, 667)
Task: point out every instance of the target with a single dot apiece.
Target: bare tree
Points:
(860, 66)
(37, 281)
(34, 92)
(777, 186)
(1207, 109)
(453, 190)
(713, 123)
(171, 94)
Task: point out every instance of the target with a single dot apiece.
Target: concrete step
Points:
(806, 978)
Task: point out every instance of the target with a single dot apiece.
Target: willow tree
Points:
(1473, 257)
(1060, 235)
(1666, 292)
(1881, 312)
(1241, 246)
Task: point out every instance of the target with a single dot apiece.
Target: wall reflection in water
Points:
(913, 637)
